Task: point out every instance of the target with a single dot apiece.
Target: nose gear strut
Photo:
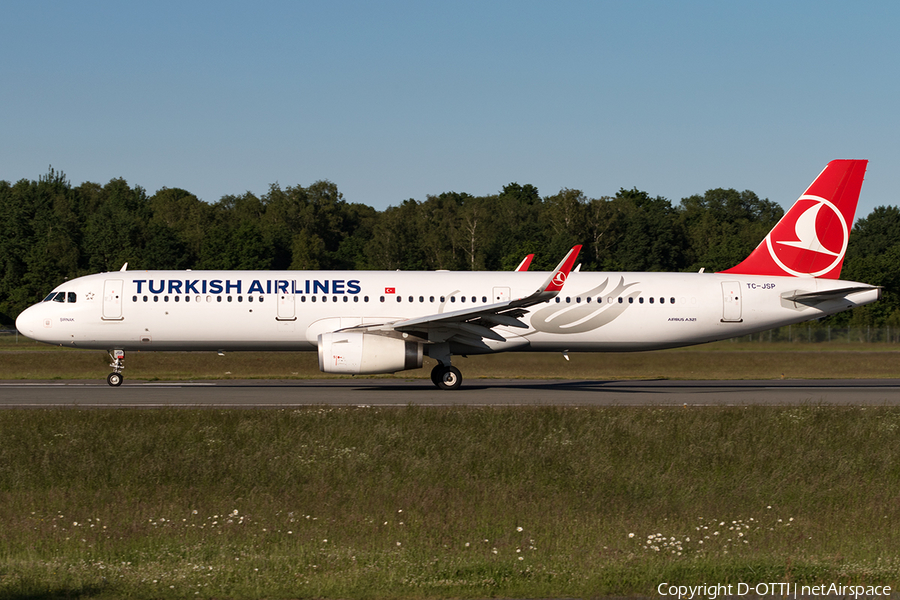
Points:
(115, 378)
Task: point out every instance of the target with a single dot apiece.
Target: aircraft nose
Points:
(29, 322)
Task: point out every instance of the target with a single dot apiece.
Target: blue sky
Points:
(395, 100)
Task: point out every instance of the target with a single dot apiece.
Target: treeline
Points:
(53, 231)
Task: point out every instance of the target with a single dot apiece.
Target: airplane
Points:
(367, 322)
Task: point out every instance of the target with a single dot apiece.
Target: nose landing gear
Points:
(115, 378)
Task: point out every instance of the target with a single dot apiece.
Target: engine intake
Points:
(360, 353)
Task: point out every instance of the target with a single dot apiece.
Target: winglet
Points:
(526, 262)
(557, 279)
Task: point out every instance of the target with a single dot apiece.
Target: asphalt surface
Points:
(475, 392)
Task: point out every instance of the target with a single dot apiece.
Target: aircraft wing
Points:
(472, 325)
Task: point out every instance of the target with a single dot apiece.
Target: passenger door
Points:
(112, 300)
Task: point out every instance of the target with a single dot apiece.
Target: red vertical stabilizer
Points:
(811, 239)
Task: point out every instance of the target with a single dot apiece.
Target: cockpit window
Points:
(70, 297)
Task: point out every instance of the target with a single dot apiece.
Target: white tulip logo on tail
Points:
(816, 247)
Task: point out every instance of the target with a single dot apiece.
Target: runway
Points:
(476, 392)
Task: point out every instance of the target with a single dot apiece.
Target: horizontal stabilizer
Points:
(825, 295)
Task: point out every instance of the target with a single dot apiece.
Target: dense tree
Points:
(183, 220)
(650, 237)
(873, 256)
(115, 225)
(724, 226)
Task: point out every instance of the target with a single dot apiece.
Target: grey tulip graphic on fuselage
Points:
(586, 316)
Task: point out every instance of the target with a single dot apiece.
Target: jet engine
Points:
(359, 353)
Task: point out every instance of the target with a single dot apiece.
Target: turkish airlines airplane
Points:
(364, 322)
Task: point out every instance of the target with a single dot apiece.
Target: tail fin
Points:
(811, 239)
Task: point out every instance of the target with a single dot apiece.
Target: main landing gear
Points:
(115, 378)
(446, 377)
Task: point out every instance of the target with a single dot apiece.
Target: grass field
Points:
(448, 502)
(428, 503)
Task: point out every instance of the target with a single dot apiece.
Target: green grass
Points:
(446, 502)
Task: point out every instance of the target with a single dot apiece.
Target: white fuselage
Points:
(287, 310)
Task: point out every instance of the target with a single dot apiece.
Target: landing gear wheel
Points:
(446, 378)
(115, 379)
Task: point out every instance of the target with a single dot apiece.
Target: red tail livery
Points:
(811, 239)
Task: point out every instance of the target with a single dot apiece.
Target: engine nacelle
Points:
(359, 353)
